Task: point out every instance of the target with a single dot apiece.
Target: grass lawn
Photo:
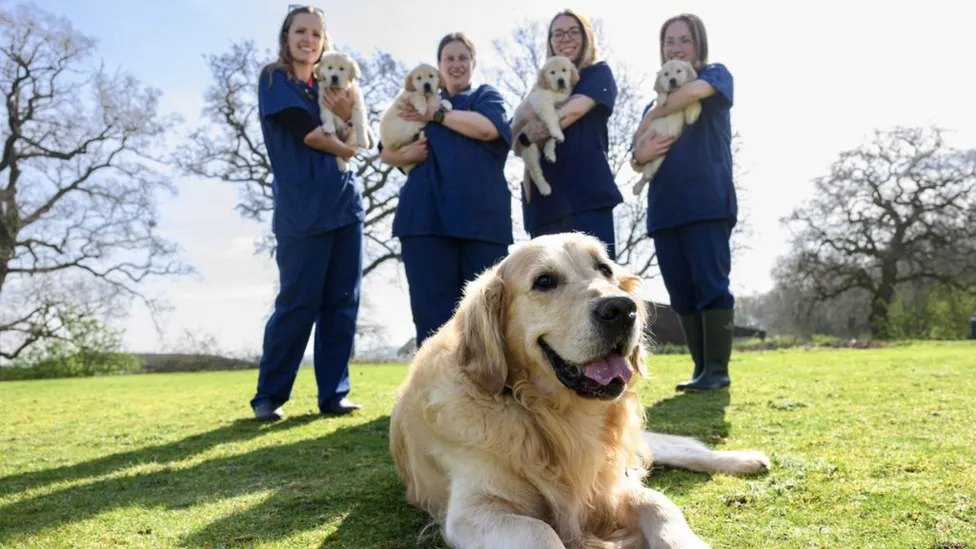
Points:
(870, 448)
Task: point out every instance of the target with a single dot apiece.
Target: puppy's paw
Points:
(544, 188)
(558, 136)
(745, 462)
(446, 104)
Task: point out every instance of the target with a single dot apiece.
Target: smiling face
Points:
(566, 319)
(679, 42)
(456, 63)
(566, 38)
(305, 38)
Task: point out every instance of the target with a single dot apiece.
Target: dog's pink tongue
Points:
(604, 371)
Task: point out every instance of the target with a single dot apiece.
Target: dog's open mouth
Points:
(604, 378)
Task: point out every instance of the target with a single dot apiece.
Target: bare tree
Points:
(78, 181)
(229, 147)
(896, 209)
(521, 54)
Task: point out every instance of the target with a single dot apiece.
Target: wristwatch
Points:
(439, 115)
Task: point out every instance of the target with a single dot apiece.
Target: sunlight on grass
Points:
(870, 448)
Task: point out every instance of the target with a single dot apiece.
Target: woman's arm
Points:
(318, 139)
(696, 90)
(574, 109)
(471, 124)
(412, 153)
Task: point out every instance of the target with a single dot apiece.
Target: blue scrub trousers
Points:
(596, 223)
(320, 280)
(437, 269)
(695, 261)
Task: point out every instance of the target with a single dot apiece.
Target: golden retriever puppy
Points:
(552, 89)
(339, 71)
(421, 88)
(670, 77)
(518, 424)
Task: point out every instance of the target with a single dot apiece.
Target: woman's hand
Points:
(407, 112)
(339, 102)
(415, 152)
(651, 148)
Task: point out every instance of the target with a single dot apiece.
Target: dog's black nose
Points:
(616, 313)
(561, 82)
(427, 88)
(335, 78)
(673, 82)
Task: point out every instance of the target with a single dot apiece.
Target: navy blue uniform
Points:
(454, 216)
(584, 192)
(691, 205)
(318, 224)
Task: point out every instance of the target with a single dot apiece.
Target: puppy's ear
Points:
(408, 83)
(659, 86)
(631, 284)
(441, 83)
(354, 72)
(481, 344)
(573, 75)
(543, 82)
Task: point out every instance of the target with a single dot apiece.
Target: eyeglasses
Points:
(296, 6)
(573, 33)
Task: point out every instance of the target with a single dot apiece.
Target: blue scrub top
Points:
(694, 182)
(581, 177)
(310, 194)
(460, 190)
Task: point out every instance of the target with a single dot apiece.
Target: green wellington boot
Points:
(718, 329)
(691, 325)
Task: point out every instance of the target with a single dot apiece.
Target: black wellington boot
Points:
(718, 328)
(692, 327)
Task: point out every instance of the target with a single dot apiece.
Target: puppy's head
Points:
(337, 70)
(423, 78)
(558, 74)
(673, 75)
(558, 314)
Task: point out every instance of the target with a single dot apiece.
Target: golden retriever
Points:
(670, 77)
(553, 88)
(421, 88)
(338, 70)
(518, 425)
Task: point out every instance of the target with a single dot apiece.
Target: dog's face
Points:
(558, 74)
(558, 314)
(423, 78)
(673, 75)
(337, 70)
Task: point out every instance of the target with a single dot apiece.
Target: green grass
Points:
(870, 449)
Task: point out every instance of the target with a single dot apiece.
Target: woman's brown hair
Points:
(456, 37)
(589, 50)
(285, 59)
(697, 34)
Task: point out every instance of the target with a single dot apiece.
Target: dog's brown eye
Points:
(605, 269)
(544, 282)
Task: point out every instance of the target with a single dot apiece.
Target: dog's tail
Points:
(692, 454)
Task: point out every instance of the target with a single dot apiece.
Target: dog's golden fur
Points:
(421, 88)
(672, 75)
(501, 453)
(553, 87)
(338, 70)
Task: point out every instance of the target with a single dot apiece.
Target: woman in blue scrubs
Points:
(454, 216)
(691, 205)
(317, 222)
(584, 192)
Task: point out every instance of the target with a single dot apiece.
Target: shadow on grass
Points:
(699, 415)
(344, 479)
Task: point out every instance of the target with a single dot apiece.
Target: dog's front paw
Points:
(558, 136)
(544, 188)
(446, 104)
(747, 462)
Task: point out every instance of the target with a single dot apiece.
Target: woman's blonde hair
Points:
(588, 56)
(698, 35)
(285, 59)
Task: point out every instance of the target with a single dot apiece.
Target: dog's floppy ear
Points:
(354, 71)
(481, 344)
(573, 76)
(659, 85)
(408, 83)
(631, 284)
(543, 82)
